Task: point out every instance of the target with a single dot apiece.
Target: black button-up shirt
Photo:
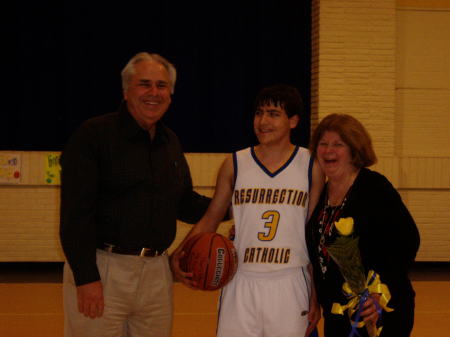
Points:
(121, 187)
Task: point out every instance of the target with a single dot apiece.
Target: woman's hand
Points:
(369, 312)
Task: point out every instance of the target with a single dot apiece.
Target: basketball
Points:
(211, 258)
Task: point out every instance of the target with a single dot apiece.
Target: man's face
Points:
(272, 124)
(148, 93)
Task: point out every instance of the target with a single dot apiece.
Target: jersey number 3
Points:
(273, 218)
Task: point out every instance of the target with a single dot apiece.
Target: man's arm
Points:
(77, 224)
(212, 218)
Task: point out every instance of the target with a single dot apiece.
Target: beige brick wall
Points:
(423, 85)
(387, 64)
(29, 223)
(430, 210)
(354, 64)
(423, 120)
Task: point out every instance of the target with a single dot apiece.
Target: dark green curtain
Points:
(65, 58)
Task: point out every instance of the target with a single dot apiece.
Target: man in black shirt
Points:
(125, 181)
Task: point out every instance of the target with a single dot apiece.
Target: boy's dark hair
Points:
(282, 95)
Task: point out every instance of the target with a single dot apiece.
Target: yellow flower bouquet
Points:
(344, 251)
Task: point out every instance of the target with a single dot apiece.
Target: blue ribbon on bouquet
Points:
(356, 302)
(356, 323)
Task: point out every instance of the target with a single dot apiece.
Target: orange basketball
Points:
(211, 258)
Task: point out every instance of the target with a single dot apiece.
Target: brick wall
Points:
(387, 64)
(356, 65)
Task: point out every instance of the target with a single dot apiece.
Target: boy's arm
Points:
(317, 183)
(212, 218)
(314, 307)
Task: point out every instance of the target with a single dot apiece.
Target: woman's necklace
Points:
(326, 225)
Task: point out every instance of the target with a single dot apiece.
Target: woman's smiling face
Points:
(334, 155)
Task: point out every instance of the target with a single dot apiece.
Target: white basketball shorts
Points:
(271, 304)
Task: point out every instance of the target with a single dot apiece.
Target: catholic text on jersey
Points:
(267, 255)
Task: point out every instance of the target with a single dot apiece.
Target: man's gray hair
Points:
(130, 69)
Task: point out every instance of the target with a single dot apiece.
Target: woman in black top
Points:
(388, 236)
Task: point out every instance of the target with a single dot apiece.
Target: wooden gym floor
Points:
(31, 302)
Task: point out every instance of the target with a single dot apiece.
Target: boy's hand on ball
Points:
(209, 261)
(180, 275)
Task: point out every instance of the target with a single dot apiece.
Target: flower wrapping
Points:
(344, 251)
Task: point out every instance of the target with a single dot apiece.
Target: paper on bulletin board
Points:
(10, 168)
(52, 169)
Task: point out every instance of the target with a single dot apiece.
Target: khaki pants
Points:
(138, 298)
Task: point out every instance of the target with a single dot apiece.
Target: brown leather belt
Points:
(144, 252)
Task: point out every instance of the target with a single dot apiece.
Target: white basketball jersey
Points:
(270, 210)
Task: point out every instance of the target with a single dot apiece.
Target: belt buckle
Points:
(144, 250)
(108, 247)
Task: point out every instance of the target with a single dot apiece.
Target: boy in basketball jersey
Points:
(271, 186)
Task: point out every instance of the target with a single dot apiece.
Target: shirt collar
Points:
(131, 129)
